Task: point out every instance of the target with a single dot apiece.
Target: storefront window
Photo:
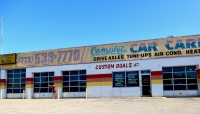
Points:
(132, 79)
(42, 81)
(74, 81)
(126, 79)
(180, 78)
(16, 80)
(118, 79)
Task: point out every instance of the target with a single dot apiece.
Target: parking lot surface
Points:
(101, 106)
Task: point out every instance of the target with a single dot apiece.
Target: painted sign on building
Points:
(148, 49)
(7, 59)
(113, 66)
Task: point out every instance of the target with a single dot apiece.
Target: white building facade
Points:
(162, 67)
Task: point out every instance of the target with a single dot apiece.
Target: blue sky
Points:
(31, 25)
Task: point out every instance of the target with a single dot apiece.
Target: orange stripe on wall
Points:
(57, 81)
(99, 84)
(2, 84)
(156, 77)
(99, 80)
(198, 75)
(29, 82)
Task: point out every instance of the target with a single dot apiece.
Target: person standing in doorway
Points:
(52, 86)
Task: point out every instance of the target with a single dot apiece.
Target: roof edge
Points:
(107, 44)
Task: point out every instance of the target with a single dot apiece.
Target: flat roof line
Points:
(108, 44)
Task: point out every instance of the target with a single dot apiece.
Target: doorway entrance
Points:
(146, 85)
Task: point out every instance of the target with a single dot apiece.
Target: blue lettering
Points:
(168, 47)
(107, 51)
(191, 43)
(198, 42)
(152, 47)
(188, 44)
(143, 48)
(93, 51)
(132, 48)
(180, 45)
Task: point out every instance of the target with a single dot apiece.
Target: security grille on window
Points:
(126, 79)
(74, 81)
(180, 78)
(42, 81)
(16, 80)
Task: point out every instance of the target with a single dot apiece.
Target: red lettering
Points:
(130, 65)
(102, 66)
(112, 65)
(105, 66)
(124, 66)
(117, 65)
(120, 65)
(108, 66)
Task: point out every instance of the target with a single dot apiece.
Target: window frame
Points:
(38, 75)
(125, 79)
(21, 83)
(67, 75)
(173, 79)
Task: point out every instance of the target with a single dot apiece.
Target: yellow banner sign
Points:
(50, 57)
(7, 59)
(151, 49)
(148, 49)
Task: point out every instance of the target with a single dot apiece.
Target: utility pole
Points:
(2, 21)
(1, 48)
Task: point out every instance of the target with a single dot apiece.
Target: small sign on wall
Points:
(113, 66)
(6, 59)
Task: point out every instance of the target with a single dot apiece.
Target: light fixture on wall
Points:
(136, 64)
